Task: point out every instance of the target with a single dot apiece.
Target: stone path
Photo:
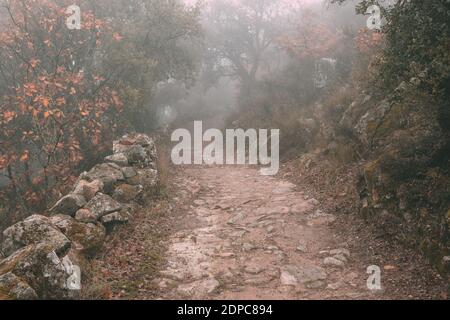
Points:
(248, 236)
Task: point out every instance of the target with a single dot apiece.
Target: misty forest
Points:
(349, 100)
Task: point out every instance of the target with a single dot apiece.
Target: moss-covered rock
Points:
(34, 230)
(88, 238)
(14, 288)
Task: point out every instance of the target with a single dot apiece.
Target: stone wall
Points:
(42, 257)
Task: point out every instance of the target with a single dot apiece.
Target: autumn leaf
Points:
(60, 101)
(9, 116)
(389, 267)
(117, 37)
(45, 102)
(34, 63)
(3, 162)
(25, 156)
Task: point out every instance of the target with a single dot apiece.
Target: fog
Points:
(217, 149)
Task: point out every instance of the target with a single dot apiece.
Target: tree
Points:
(158, 41)
(240, 33)
(63, 92)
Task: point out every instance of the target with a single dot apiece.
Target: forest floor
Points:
(230, 233)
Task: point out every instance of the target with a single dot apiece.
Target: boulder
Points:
(42, 269)
(88, 238)
(133, 139)
(119, 217)
(148, 178)
(129, 173)
(306, 274)
(108, 173)
(126, 193)
(34, 230)
(86, 216)
(118, 158)
(88, 189)
(141, 139)
(137, 155)
(333, 262)
(102, 205)
(14, 288)
(369, 122)
(131, 145)
(69, 204)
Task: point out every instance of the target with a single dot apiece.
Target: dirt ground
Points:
(231, 233)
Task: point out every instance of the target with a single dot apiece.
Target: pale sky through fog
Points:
(190, 2)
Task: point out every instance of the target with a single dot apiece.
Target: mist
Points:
(224, 150)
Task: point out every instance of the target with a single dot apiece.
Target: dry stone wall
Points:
(41, 257)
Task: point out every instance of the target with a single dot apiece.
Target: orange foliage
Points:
(55, 107)
(368, 41)
(311, 39)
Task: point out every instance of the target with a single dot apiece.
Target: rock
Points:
(69, 204)
(126, 193)
(102, 205)
(301, 208)
(40, 267)
(319, 218)
(131, 140)
(79, 259)
(129, 172)
(186, 290)
(311, 273)
(371, 120)
(86, 216)
(13, 288)
(137, 155)
(143, 140)
(88, 238)
(253, 270)
(315, 284)
(306, 274)
(88, 189)
(234, 219)
(342, 251)
(210, 285)
(446, 264)
(341, 257)
(118, 158)
(201, 287)
(336, 285)
(118, 217)
(33, 230)
(278, 210)
(148, 178)
(333, 262)
(302, 247)
(288, 276)
(248, 247)
(226, 255)
(108, 173)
